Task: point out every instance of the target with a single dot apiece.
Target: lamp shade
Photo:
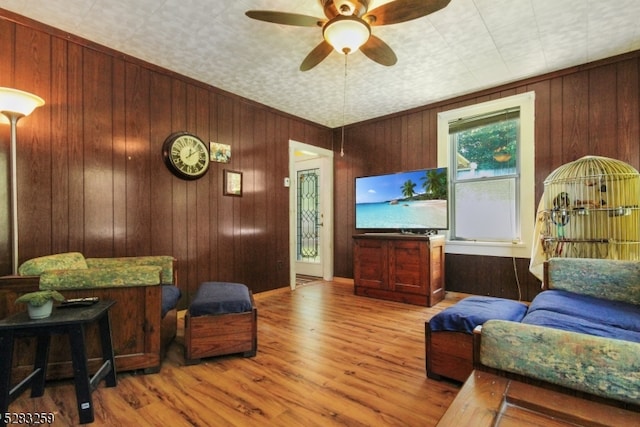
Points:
(18, 102)
(346, 33)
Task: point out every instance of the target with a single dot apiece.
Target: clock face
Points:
(186, 155)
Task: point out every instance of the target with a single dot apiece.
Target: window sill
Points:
(518, 249)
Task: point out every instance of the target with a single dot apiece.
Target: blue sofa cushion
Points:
(572, 323)
(616, 314)
(170, 296)
(220, 298)
(470, 312)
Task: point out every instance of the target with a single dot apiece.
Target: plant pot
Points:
(40, 312)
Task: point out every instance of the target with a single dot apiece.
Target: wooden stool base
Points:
(449, 355)
(217, 335)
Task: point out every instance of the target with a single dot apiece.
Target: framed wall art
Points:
(232, 183)
(220, 152)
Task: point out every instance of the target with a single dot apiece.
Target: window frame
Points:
(521, 247)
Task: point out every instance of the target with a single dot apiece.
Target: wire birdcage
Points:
(591, 210)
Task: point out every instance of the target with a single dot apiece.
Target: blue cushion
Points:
(170, 296)
(572, 323)
(220, 298)
(617, 314)
(470, 312)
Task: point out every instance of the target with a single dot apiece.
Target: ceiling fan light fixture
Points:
(346, 33)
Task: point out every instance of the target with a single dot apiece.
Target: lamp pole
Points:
(13, 118)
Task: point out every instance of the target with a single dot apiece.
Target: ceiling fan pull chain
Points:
(344, 104)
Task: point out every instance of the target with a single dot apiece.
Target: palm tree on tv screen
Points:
(408, 189)
(435, 184)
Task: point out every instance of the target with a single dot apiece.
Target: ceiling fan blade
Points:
(378, 51)
(285, 18)
(403, 10)
(316, 56)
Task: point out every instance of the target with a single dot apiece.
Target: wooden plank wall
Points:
(588, 110)
(90, 171)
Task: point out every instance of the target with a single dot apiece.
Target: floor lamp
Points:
(15, 104)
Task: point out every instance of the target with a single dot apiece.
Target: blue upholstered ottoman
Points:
(449, 334)
(221, 319)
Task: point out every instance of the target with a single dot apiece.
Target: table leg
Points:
(6, 358)
(107, 349)
(42, 357)
(81, 373)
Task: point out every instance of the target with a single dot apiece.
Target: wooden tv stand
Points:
(406, 268)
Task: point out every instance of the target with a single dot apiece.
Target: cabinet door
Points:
(408, 267)
(370, 263)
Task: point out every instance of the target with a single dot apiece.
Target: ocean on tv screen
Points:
(422, 214)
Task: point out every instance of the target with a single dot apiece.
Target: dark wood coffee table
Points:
(490, 400)
(69, 321)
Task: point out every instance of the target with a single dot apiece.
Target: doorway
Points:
(311, 211)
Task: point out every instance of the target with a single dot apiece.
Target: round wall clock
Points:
(185, 155)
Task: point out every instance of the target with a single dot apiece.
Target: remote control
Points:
(79, 302)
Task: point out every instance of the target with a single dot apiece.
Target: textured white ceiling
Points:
(465, 47)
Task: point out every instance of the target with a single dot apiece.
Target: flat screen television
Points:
(412, 201)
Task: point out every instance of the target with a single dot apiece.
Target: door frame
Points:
(326, 185)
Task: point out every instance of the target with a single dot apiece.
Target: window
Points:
(489, 149)
(485, 182)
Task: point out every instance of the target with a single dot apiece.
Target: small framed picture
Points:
(232, 183)
(220, 152)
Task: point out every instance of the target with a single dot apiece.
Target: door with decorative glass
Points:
(309, 217)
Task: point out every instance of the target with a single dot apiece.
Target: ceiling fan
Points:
(347, 26)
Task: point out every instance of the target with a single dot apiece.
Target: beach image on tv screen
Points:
(415, 200)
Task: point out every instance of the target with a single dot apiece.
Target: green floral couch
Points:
(581, 362)
(143, 323)
(72, 271)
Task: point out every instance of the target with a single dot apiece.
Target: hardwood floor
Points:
(325, 357)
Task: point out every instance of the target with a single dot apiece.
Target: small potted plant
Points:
(40, 303)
